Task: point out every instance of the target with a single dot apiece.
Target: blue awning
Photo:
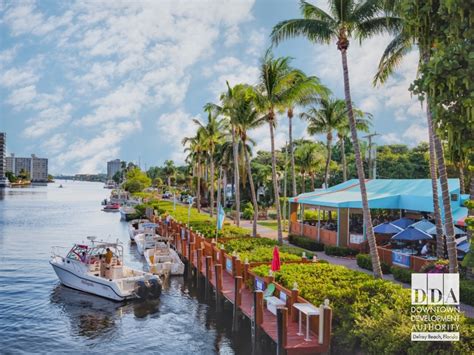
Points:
(387, 228)
(403, 222)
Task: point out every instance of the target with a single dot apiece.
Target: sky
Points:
(84, 82)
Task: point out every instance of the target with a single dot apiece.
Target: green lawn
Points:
(270, 224)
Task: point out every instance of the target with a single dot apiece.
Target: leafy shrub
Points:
(401, 274)
(466, 290)
(247, 244)
(306, 243)
(265, 254)
(272, 215)
(369, 315)
(339, 251)
(365, 262)
(248, 211)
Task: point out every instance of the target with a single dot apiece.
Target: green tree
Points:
(346, 18)
(309, 156)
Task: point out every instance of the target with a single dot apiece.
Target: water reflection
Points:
(91, 316)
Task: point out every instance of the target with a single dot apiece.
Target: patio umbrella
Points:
(423, 225)
(403, 222)
(457, 231)
(276, 260)
(387, 228)
(412, 234)
(464, 246)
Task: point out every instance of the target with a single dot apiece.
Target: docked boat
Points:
(147, 240)
(111, 207)
(137, 226)
(110, 184)
(127, 213)
(60, 186)
(84, 268)
(162, 260)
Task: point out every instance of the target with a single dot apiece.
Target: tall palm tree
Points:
(306, 90)
(247, 118)
(402, 44)
(196, 148)
(343, 130)
(169, 170)
(273, 93)
(308, 157)
(211, 135)
(345, 19)
(325, 119)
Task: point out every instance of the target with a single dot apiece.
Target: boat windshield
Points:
(76, 253)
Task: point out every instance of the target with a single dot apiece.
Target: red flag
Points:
(276, 260)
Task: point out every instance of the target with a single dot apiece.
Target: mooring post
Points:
(257, 315)
(218, 269)
(293, 300)
(209, 268)
(237, 302)
(282, 323)
(199, 261)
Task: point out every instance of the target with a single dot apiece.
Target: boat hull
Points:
(86, 284)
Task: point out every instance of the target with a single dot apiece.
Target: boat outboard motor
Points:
(155, 288)
(141, 289)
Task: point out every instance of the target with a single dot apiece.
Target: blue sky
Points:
(88, 81)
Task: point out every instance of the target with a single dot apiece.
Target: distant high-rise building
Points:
(113, 167)
(3, 141)
(36, 168)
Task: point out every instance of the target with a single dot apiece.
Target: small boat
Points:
(126, 213)
(113, 207)
(60, 186)
(84, 268)
(146, 240)
(137, 226)
(110, 184)
(162, 260)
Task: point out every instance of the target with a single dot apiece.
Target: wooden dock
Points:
(233, 281)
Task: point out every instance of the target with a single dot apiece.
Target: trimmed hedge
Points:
(305, 243)
(339, 251)
(370, 316)
(466, 290)
(365, 262)
(402, 275)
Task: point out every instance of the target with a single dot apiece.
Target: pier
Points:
(233, 281)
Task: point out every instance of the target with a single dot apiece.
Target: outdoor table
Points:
(273, 302)
(309, 310)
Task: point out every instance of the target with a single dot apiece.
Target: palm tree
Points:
(211, 135)
(343, 130)
(347, 17)
(273, 93)
(306, 90)
(169, 170)
(308, 157)
(196, 149)
(325, 119)
(401, 44)
(247, 118)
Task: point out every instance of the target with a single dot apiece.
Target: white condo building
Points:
(37, 168)
(112, 167)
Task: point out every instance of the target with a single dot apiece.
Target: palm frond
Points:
(314, 30)
(378, 25)
(313, 12)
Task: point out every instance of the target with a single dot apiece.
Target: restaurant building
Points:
(410, 198)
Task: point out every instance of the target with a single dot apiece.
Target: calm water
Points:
(38, 315)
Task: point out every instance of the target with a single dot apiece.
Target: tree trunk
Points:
(328, 160)
(254, 195)
(224, 188)
(219, 184)
(292, 153)
(198, 201)
(211, 211)
(344, 163)
(360, 172)
(275, 184)
(434, 185)
(312, 181)
(303, 183)
(462, 184)
(448, 216)
(236, 177)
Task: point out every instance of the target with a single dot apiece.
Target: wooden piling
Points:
(218, 268)
(294, 299)
(282, 323)
(258, 307)
(209, 267)
(237, 291)
(199, 261)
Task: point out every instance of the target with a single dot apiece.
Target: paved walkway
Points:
(350, 263)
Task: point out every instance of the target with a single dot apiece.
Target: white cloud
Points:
(256, 41)
(172, 128)
(15, 77)
(54, 144)
(391, 138)
(47, 120)
(415, 134)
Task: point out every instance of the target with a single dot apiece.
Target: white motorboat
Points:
(146, 240)
(164, 260)
(84, 268)
(138, 226)
(126, 212)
